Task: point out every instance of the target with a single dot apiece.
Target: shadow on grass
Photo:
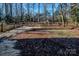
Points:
(48, 47)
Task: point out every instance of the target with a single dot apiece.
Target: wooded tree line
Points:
(61, 13)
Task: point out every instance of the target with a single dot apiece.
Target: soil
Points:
(50, 31)
(47, 34)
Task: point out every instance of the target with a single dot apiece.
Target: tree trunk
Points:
(45, 13)
(38, 12)
(53, 12)
(61, 13)
(33, 12)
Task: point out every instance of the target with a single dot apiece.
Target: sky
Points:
(49, 8)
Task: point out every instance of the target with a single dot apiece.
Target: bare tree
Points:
(1, 15)
(61, 13)
(33, 12)
(21, 8)
(38, 12)
(45, 13)
(53, 11)
(11, 9)
(28, 8)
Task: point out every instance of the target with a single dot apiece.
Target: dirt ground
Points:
(49, 31)
(47, 34)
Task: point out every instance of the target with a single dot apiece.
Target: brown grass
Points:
(69, 31)
(47, 34)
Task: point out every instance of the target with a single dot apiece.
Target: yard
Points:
(49, 31)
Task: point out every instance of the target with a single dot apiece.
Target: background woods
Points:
(47, 13)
